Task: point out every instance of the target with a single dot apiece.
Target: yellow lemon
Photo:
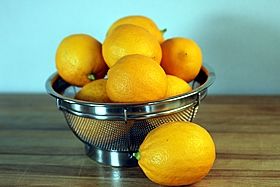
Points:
(129, 39)
(136, 78)
(177, 153)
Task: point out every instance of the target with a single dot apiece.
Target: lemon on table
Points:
(136, 78)
(177, 153)
(79, 59)
(141, 21)
(130, 39)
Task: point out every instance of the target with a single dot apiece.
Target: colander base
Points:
(112, 158)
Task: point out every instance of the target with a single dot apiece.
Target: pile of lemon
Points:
(136, 64)
(139, 64)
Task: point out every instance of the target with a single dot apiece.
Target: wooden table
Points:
(37, 148)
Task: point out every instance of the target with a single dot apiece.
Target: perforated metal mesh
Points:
(121, 135)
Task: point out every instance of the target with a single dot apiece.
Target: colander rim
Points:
(208, 70)
(129, 110)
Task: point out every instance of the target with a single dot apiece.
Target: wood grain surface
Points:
(38, 149)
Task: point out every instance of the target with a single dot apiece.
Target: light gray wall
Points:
(240, 39)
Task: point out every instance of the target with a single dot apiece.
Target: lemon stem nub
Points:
(137, 155)
(163, 31)
(91, 77)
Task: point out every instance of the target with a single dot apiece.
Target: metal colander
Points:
(112, 132)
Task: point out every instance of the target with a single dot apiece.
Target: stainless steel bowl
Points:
(112, 132)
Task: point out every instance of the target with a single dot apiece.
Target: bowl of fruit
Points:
(112, 94)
